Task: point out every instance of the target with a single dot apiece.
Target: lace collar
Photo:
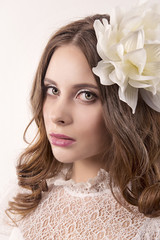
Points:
(100, 183)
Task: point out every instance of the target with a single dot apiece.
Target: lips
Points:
(61, 140)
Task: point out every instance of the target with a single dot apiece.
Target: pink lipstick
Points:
(61, 140)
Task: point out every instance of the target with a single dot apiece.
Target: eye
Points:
(51, 90)
(86, 95)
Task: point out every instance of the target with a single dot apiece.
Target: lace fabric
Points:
(86, 211)
(6, 195)
(94, 185)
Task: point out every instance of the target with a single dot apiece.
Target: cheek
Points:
(92, 123)
(45, 114)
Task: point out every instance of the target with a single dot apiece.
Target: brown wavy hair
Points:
(133, 158)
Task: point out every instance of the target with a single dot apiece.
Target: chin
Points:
(64, 161)
(62, 158)
(64, 155)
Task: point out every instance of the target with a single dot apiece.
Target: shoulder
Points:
(16, 234)
(150, 229)
(6, 194)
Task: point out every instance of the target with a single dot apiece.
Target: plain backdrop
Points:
(25, 27)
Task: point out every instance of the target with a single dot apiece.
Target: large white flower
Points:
(130, 50)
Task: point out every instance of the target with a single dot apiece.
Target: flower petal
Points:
(130, 24)
(97, 27)
(115, 52)
(102, 70)
(120, 51)
(130, 50)
(152, 85)
(137, 84)
(141, 78)
(152, 69)
(102, 33)
(155, 86)
(137, 58)
(117, 76)
(130, 96)
(105, 22)
(151, 100)
(153, 52)
(116, 15)
(133, 41)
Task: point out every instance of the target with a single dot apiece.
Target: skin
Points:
(70, 111)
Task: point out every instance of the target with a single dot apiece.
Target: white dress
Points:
(82, 211)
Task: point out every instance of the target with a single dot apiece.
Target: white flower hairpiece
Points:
(130, 50)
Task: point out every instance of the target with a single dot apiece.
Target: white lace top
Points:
(83, 211)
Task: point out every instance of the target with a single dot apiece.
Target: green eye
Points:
(86, 96)
(51, 90)
(89, 96)
(54, 91)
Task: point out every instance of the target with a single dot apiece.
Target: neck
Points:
(82, 171)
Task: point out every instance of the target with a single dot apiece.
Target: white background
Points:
(25, 27)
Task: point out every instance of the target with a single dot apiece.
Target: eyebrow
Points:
(81, 85)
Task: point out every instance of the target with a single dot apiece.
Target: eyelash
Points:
(46, 88)
(94, 96)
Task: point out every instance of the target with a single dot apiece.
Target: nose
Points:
(61, 113)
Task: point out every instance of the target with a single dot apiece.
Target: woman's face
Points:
(72, 108)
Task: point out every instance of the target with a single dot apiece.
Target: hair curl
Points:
(133, 158)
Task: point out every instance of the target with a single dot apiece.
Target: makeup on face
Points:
(85, 92)
(61, 140)
(72, 109)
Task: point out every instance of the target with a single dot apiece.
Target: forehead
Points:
(68, 63)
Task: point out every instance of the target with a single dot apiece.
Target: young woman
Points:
(93, 169)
